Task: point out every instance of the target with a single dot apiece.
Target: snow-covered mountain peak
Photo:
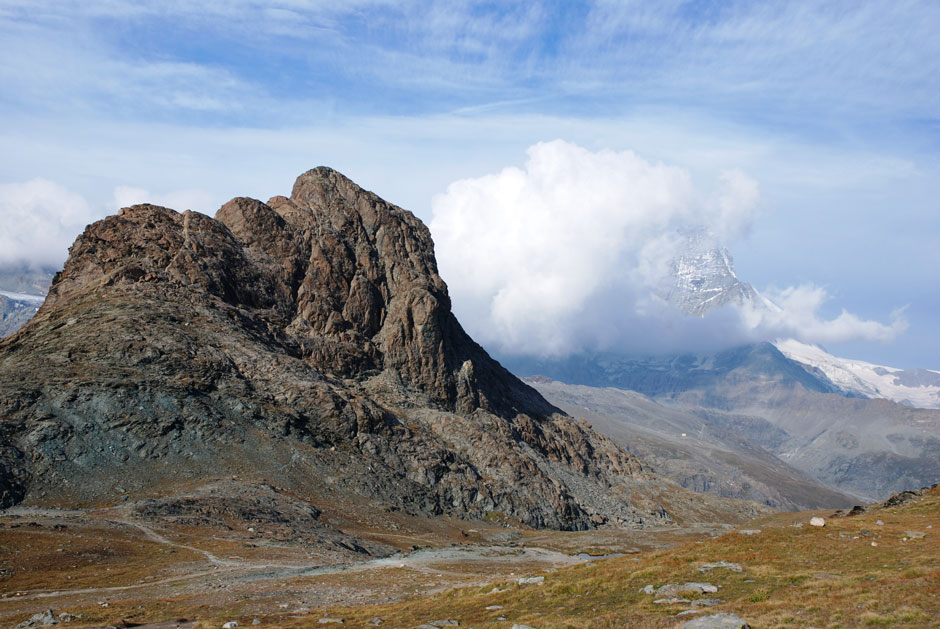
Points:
(705, 279)
(912, 387)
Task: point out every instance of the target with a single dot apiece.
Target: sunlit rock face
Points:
(309, 341)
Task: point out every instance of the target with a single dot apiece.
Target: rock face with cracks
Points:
(307, 342)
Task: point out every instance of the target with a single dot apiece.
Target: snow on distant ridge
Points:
(919, 388)
(38, 299)
(704, 280)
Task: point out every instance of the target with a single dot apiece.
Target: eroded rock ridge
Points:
(306, 341)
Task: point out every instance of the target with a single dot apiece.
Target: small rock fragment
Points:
(444, 623)
(256, 622)
(707, 602)
(522, 627)
(717, 621)
(493, 607)
(734, 567)
(331, 621)
(915, 534)
(375, 622)
(817, 522)
(698, 588)
(42, 619)
(230, 624)
(749, 531)
(672, 600)
(648, 589)
(525, 580)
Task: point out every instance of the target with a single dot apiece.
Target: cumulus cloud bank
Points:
(40, 221)
(797, 316)
(574, 251)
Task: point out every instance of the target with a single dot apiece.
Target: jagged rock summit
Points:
(307, 342)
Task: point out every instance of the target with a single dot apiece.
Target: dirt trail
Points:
(153, 536)
(435, 561)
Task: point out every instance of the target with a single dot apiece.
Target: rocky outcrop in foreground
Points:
(307, 342)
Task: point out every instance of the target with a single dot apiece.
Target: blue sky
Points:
(832, 108)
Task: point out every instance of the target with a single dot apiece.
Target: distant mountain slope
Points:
(704, 280)
(666, 376)
(919, 388)
(864, 447)
(16, 309)
(706, 452)
(22, 291)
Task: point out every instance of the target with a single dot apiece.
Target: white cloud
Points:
(571, 252)
(734, 207)
(41, 218)
(534, 254)
(40, 221)
(798, 317)
(179, 200)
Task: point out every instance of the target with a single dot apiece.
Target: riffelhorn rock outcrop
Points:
(306, 342)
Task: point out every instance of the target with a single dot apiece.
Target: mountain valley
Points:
(274, 412)
(861, 447)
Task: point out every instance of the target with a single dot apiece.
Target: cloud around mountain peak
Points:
(578, 249)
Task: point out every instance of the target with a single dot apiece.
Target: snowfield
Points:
(913, 387)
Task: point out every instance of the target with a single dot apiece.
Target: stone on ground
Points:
(717, 621)
(734, 567)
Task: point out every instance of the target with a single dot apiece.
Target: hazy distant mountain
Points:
(22, 291)
(668, 376)
(704, 279)
(722, 454)
(865, 447)
(919, 388)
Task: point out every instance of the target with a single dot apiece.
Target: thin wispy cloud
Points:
(762, 60)
(832, 107)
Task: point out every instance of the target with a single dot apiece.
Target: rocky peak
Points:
(308, 342)
(705, 279)
(342, 278)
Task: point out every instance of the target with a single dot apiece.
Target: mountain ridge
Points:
(309, 343)
(852, 444)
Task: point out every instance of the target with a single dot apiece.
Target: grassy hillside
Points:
(853, 572)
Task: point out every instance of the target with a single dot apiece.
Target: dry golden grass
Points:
(793, 577)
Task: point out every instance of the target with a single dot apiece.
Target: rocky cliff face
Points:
(307, 341)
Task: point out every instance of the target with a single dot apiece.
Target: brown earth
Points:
(872, 567)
